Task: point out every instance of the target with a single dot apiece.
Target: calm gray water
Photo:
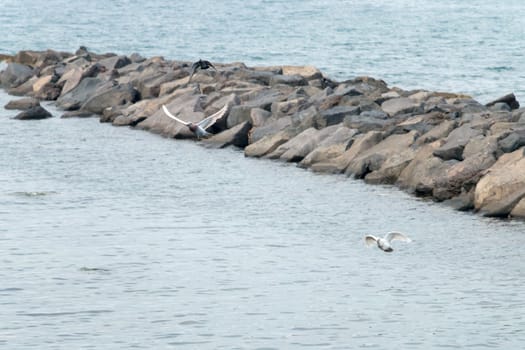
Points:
(112, 238)
(449, 45)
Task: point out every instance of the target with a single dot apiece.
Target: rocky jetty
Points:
(440, 145)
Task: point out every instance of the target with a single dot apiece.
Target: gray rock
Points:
(503, 186)
(110, 96)
(421, 174)
(76, 114)
(455, 142)
(391, 168)
(360, 143)
(236, 136)
(513, 141)
(335, 115)
(14, 75)
(509, 100)
(271, 127)
(340, 137)
(373, 158)
(127, 120)
(286, 108)
(268, 143)
(294, 80)
(440, 131)
(239, 115)
(462, 176)
(115, 62)
(299, 146)
(262, 98)
(401, 105)
(37, 112)
(81, 93)
(23, 103)
(368, 121)
(259, 116)
(481, 144)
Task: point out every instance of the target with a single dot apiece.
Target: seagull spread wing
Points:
(370, 240)
(391, 236)
(209, 121)
(173, 117)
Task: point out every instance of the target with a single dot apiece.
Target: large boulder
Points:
(70, 80)
(271, 127)
(503, 186)
(15, 74)
(268, 143)
(456, 142)
(23, 103)
(401, 105)
(308, 72)
(439, 131)
(360, 144)
(294, 80)
(262, 98)
(422, 173)
(514, 140)
(368, 121)
(391, 168)
(299, 146)
(115, 62)
(110, 96)
(37, 112)
(81, 93)
(331, 147)
(236, 136)
(462, 176)
(373, 158)
(335, 115)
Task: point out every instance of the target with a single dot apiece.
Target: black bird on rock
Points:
(201, 64)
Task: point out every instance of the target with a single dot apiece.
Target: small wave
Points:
(66, 313)
(500, 69)
(93, 269)
(33, 193)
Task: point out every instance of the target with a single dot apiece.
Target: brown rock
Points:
(268, 143)
(373, 158)
(502, 188)
(23, 103)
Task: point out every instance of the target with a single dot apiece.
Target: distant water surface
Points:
(470, 47)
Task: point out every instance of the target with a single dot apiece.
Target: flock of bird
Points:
(199, 130)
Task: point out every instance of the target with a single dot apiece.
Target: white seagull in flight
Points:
(199, 129)
(384, 242)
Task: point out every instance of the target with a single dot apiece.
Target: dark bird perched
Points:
(199, 129)
(201, 64)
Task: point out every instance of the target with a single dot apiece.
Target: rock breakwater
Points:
(440, 145)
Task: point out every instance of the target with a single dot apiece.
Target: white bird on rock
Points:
(199, 129)
(383, 243)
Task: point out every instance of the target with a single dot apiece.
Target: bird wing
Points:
(173, 117)
(391, 236)
(370, 240)
(209, 121)
(211, 65)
